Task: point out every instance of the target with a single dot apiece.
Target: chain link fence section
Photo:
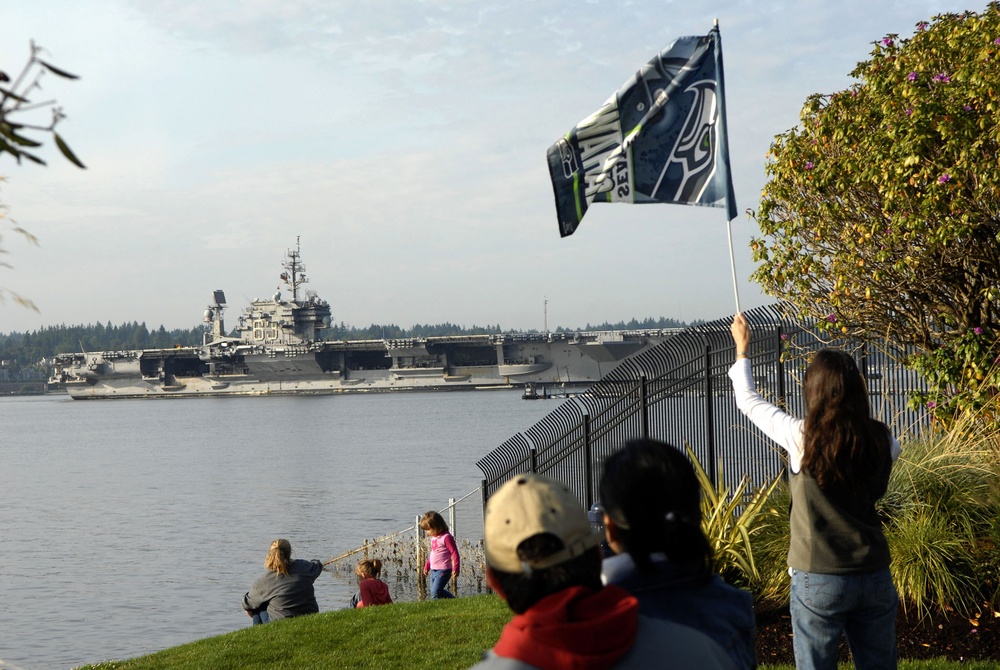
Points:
(404, 552)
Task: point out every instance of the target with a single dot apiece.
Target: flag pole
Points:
(730, 206)
(732, 263)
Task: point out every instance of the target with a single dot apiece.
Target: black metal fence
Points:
(679, 392)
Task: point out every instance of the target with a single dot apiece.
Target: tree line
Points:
(31, 349)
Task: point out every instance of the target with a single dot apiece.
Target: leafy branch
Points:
(15, 102)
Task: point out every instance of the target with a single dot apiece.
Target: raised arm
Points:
(778, 425)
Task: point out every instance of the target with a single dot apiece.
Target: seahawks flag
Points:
(660, 138)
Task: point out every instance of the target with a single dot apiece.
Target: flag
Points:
(660, 138)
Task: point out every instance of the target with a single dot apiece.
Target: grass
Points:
(435, 635)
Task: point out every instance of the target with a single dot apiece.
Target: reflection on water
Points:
(133, 525)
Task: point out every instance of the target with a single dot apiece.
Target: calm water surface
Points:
(129, 526)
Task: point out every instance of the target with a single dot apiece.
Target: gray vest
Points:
(838, 531)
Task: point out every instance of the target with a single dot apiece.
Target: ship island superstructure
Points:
(279, 350)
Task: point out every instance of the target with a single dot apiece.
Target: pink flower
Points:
(809, 165)
(942, 78)
(887, 41)
(931, 404)
(832, 318)
(977, 330)
(944, 179)
(912, 76)
(909, 111)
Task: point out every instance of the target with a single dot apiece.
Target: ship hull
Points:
(330, 368)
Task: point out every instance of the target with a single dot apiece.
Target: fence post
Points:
(779, 369)
(644, 406)
(587, 466)
(421, 578)
(482, 491)
(709, 416)
(534, 460)
(864, 365)
(454, 534)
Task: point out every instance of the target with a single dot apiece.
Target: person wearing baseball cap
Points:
(543, 559)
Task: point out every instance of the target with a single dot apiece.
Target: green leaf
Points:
(10, 94)
(23, 141)
(54, 70)
(12, 150)
(67, 152)
(33, 158)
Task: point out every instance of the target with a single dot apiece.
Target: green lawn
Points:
(435, 635)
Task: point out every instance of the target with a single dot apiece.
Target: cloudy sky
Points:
(402, 140)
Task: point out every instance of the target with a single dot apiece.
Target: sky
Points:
(401, 142)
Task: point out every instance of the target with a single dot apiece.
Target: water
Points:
(131, 526)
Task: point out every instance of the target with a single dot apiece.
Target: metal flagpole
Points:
(732, 263)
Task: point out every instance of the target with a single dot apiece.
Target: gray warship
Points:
(279, 350)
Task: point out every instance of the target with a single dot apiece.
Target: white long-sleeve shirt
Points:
(780, 426)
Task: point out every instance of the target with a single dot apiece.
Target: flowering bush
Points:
(881, 215)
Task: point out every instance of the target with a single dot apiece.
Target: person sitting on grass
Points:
(651, 502)
(542, 558)
(371, 590)
(286, 589)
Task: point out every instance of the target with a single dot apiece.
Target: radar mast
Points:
(294, 275)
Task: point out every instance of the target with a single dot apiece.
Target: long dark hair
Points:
(841, 441)
(649, 489)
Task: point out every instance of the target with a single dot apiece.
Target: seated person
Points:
(652, 520)
(543, 559)
(286, 589)
(371, 590)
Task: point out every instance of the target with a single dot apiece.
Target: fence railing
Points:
(679, 392)
(404, 552)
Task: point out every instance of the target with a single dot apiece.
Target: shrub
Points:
(730, 518)
(940, 515)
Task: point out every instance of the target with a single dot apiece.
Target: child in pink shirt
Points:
(443, 560)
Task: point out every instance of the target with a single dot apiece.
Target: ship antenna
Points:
(295, 271)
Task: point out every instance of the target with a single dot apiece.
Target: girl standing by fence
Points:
(839, 460)
(443, 560)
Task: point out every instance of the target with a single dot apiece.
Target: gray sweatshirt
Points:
(285, 595)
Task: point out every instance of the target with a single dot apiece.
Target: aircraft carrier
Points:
(279, 350)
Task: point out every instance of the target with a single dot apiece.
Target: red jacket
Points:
(373, 592)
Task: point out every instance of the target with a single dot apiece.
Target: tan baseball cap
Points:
(526, 506)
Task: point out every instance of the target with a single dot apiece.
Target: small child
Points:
(371, 590)
(443, 560)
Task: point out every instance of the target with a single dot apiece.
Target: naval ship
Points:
(279, 350)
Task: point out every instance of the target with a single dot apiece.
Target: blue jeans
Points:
(439, 580)
(862, 606)
(260, 617)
